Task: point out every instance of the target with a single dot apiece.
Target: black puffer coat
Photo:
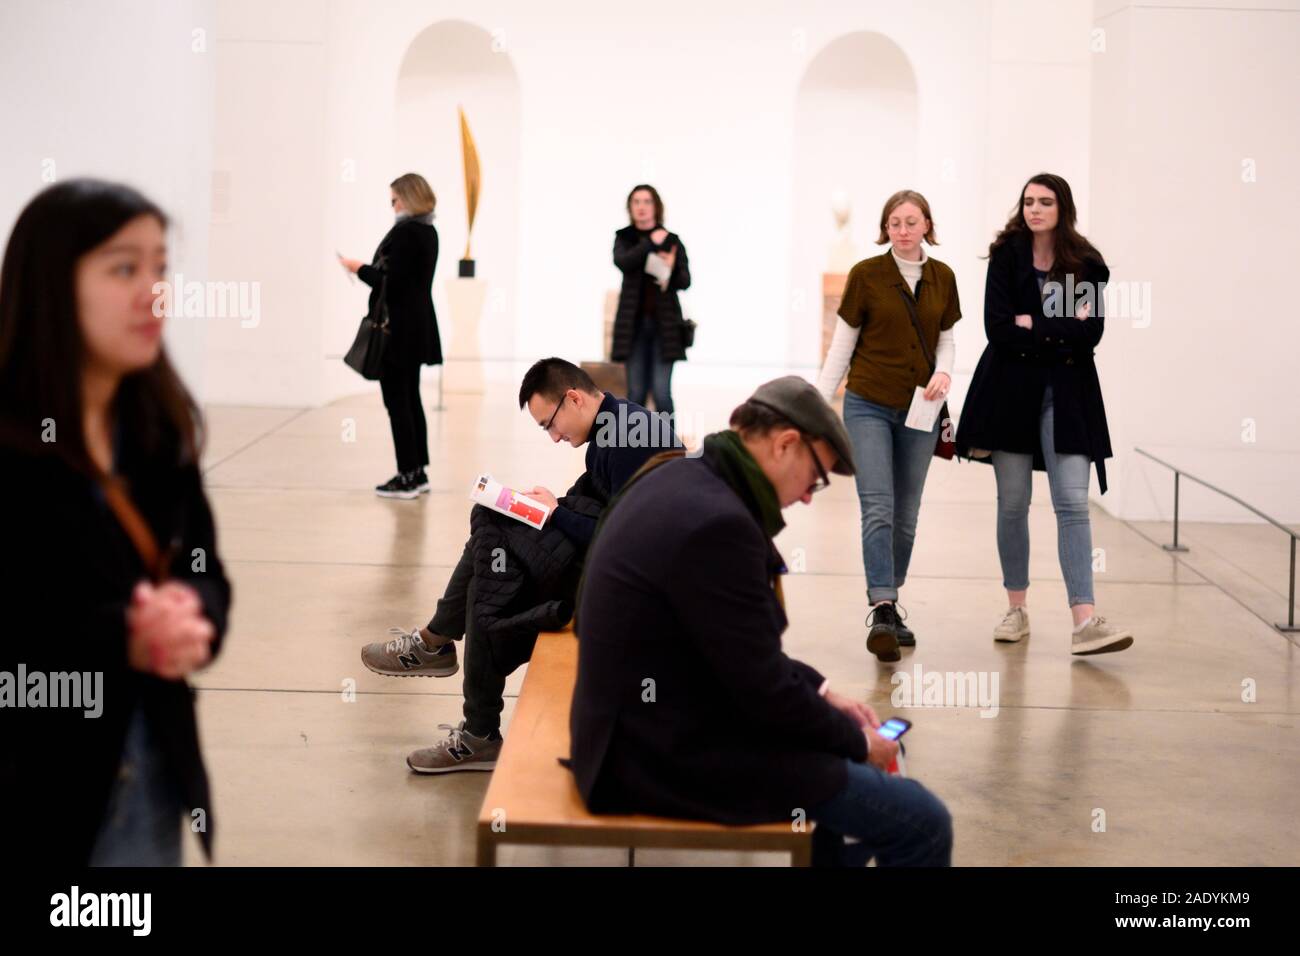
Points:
(631, 246)
(533, 589)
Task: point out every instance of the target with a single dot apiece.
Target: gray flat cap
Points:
(798, 400)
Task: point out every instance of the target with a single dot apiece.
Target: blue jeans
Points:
(142, 826)
(891, 462)
(1067, 476)
(646, 373)
(894, 819)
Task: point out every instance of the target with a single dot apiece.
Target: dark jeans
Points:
(646, 373)
(484, 685)
(401, 389)
(894, 819)
(142, 825)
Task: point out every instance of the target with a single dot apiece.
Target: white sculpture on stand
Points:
(843, 254)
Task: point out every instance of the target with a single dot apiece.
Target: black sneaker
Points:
(882, 638)
(399, 486)
(421, 482)
(905, 636)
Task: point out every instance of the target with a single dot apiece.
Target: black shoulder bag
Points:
(366, 356)
(945, 447)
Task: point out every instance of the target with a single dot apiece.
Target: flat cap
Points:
(798, 400)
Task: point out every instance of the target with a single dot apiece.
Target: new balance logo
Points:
(408, 660)
(460, 752)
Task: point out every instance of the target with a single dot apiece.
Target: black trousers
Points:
(484, 686)
(400, 386)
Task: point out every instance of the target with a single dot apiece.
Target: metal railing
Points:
(1290, 625)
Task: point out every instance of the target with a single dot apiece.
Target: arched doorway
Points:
(855, 131)
(454, 64)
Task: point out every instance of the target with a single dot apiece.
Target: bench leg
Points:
(487, 848)
(801, 853)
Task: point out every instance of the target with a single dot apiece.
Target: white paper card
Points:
(923, 413)
(655, 265)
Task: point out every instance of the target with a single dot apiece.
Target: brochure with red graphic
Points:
(492, 494)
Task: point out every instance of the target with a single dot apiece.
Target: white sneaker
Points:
(1099, 636)
(1014, 626)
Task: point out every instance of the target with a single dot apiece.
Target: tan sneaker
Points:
(459, 750)
(1014, 626)
(1100, 636)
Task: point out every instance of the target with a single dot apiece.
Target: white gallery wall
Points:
(736, 117)
(121, 91)
(1195, 153)
(273, 146)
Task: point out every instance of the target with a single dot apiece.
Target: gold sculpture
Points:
(472, 184)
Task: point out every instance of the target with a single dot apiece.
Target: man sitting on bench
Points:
(685, 705)
(499, 602)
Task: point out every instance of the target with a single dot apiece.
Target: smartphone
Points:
(894, 728)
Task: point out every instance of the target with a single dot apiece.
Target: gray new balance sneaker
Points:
(408, 656)
(459, 750)
(1100, 636)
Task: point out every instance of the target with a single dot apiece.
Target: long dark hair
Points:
(654, 194)
(41, 346)
(1071, 251)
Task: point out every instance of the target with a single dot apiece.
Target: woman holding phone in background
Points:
(402, 272)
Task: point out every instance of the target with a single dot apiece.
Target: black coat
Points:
(678, 592)
(67, 570)
(631, 246)
(407, 257)
(525, 579)
(1002, 408)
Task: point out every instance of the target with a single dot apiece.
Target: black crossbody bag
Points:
(945, 447)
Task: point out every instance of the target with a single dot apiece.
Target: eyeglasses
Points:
(823, 479)
(551, 420)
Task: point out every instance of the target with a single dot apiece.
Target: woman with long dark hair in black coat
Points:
(113, 592)
(648, 323)
(402, 277)
(1035, 400)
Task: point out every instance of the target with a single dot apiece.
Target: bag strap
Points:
(916, 324)
(136, 528)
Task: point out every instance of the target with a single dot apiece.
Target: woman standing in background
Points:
(894, 335)
(1035, 400)
(647, 325)
(402, 273)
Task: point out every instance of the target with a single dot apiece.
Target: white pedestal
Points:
(464, 369)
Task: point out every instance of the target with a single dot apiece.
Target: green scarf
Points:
(726, 452)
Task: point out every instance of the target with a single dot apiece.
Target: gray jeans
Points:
(1067, 477)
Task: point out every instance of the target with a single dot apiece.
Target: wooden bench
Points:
(532, 799)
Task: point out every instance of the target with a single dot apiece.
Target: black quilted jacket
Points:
(533, 589)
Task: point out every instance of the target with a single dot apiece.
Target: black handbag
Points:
(366, 356)
(686, 328)
(945, 447)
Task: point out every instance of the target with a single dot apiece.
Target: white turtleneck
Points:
(840, 353)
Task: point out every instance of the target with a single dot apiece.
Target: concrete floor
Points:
(1158, 738)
